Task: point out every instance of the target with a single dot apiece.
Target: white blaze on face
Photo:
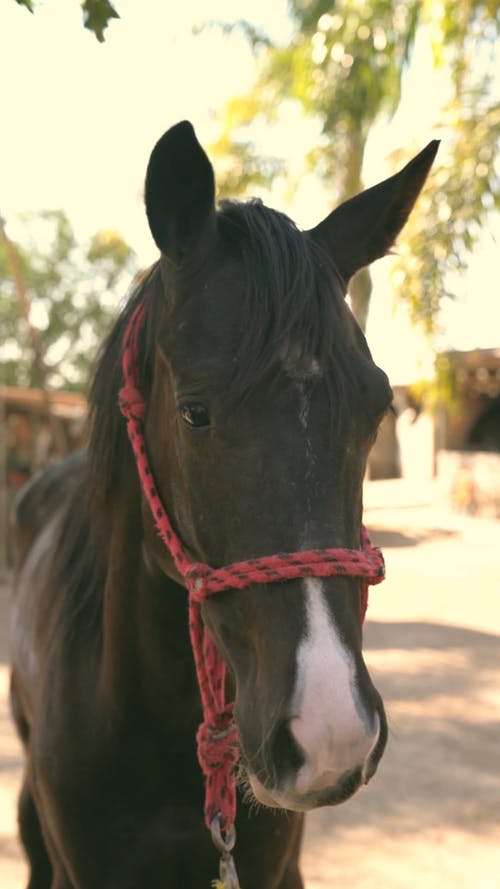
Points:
(330, 725)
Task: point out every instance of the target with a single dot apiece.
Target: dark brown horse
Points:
(263, 401)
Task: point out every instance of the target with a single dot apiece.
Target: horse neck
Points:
(146, 656)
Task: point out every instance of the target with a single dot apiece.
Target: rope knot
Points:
(218, 744)
(132, 404)
(196, 577)
(218, 754)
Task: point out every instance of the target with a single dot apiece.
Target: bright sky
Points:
(79, 120)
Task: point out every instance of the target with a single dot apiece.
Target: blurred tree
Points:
(96, 14)
(56, 300)
(344, 66)
(464, 193)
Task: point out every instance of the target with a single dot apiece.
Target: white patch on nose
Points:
(331, 726)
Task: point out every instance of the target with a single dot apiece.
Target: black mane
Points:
(108, 446)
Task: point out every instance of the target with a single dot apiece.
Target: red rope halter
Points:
(217, 737)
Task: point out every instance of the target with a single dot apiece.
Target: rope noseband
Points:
(217, 737)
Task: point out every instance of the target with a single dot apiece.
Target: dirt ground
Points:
(431, 816)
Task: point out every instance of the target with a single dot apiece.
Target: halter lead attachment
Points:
(228, 878)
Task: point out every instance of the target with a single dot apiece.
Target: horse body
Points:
(262, 404)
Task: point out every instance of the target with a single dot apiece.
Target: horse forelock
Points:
(293, 314)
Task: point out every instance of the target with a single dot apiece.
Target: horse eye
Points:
(194, 414)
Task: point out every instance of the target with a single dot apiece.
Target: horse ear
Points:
(364, 228)
(180, 193)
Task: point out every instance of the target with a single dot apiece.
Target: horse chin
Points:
(262, 795)
(314, 799)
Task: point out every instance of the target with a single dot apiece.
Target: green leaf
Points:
(97, 15)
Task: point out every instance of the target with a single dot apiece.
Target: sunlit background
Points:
(80, 118)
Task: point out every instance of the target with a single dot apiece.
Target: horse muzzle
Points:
(310, 786)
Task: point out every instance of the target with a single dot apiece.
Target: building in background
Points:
(458, 441)
(36, 428)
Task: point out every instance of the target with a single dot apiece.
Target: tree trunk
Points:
(360, 286)
(360, 289)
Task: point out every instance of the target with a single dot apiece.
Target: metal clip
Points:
(228, 878)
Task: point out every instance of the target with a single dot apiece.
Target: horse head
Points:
(263, 406)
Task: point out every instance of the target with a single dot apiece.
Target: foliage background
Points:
(56, 307)
(344, 67)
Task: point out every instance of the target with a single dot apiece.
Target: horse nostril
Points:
(287, 754)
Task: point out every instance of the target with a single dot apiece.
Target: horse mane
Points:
(108, 446)
(77, 558)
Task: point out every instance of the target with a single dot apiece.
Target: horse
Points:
(258, 401)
